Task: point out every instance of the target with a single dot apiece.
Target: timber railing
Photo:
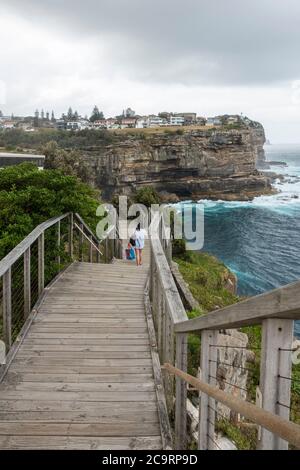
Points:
(36, 261)
(269, 417)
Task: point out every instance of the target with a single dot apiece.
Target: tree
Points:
(70, 114)
(36, 120)
(29, 196)
(52, 117)
(96, 114)
(147, 196)
(69, 162)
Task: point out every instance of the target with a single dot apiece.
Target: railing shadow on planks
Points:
(30, 267)
(274, 311)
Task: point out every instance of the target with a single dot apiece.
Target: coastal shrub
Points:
(29, 196)
(76, 140)
(178, 247)
(69, 162)
(206, 277)
(147, 196)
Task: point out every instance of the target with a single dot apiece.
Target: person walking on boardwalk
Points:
(139, 237)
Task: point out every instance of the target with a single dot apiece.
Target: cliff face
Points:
(191, 163)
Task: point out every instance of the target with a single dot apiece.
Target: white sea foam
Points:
(287, 200)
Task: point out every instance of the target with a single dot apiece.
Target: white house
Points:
(177, 120)
(155, 121)
(142, 123)
(213, 121)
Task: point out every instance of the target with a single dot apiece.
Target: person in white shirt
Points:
(139, 236)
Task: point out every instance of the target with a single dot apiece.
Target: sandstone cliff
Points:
(191, 163)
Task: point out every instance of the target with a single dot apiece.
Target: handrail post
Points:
(91, 250)
(168, 356)
(207, 405)
(71, 235)
(81, 243)
(27, 283)
(276, 361)
(58, 243)
(41, 262)
(7, 309)
(181, 393)
(98, 253)
(106, 250)
(169, 250)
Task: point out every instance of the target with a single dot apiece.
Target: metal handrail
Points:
(21, 248)
(86, 226)
(86, 236)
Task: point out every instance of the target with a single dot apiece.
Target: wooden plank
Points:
(86, 342)
(84, 348)
(121, 315)
(83, 362)
(74, 336)
(77, 429)
(79, 355)
(81, 369)
(100, 408)
(52, 321)
(85, 330)
(85, 416)
(110, 396)
(79, 387)
(80, 443)
(18, 377)
(281, 303)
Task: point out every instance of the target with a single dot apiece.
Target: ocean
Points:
(260, 240)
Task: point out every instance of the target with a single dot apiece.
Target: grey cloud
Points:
(173, 41)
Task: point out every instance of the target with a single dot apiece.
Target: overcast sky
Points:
(212, 57)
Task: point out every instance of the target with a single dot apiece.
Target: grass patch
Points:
(207, 278)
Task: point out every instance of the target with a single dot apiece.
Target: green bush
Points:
(178, 247)
(147, 196)
(29, 196)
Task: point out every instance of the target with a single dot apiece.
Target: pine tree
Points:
(36, 119)
(96, 114)
(70, 114)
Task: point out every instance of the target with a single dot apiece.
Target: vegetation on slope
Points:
(207, 278)
(19, 140)
(29, 196)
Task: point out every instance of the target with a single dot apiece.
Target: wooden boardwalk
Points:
(83, 376)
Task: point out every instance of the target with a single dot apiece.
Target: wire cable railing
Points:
(259, 399)
(32, 265)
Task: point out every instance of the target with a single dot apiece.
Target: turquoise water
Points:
(260, 240)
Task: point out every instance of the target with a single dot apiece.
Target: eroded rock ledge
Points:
(189, 163)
